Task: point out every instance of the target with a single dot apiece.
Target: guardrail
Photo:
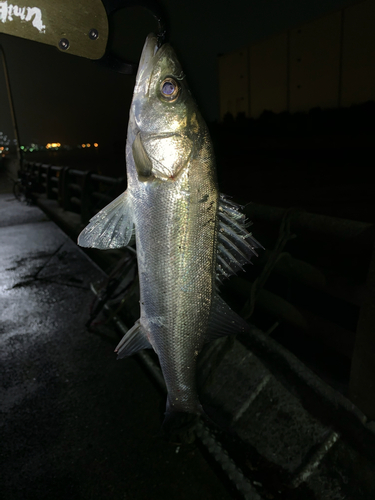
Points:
(80, 191)
(318, 271)
(320, 294)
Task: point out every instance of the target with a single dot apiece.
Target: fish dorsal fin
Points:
(223, 320)
(112, 227)
(134, 340)
(236, 245)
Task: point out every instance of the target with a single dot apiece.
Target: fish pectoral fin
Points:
(223, 321)
(134, 340)
(112, 227)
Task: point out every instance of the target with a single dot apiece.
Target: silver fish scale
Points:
(177, 266)
(185, 234)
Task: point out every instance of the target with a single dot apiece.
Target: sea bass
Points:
(188, 236)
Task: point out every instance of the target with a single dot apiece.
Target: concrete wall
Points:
(328, 62)
(269, 75)
(234, 82)
(314, 58)
(358, 61)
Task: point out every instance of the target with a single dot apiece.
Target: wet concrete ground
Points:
(74, 422)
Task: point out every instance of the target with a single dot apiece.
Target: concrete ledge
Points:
(292, 434)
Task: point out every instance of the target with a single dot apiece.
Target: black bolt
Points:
(93, 34)
(64, 44)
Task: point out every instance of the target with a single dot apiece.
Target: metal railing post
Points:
(11, 105)
(86, 198)
(49, 182)
(65, 194)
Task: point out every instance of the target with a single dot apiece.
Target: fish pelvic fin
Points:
(112, 227)
(224, 321)
(133, 341)
(236, 245)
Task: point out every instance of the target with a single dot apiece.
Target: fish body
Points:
(187, 234)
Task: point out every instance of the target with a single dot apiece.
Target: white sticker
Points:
(9, 11)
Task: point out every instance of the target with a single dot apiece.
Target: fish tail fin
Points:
(179, 427)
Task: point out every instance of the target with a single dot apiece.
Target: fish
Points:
(188, 235)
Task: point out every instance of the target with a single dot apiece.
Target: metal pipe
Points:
(73, 171)
(11, 105)
(106, 179)
(310, 223)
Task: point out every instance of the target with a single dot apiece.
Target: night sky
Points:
(68, 99)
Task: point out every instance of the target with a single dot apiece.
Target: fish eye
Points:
(169, 89)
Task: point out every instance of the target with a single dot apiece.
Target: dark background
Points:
(68, 99)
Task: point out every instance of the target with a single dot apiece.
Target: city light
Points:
(53, 145)
(6, 144)
(89, 145)
(4, 140)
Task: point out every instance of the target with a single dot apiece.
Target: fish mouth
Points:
(146, 65)
(150, 53)
(142, 80)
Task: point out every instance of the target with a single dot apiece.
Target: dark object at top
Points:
(77, 29)
(111, 60)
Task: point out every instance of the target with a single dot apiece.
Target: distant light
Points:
(96, 144)
(83, 145)
(31, 150)
(22, 147)
(88, 145)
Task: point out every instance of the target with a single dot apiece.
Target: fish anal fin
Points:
(112, 227)
(133, 341)
(223, 320)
